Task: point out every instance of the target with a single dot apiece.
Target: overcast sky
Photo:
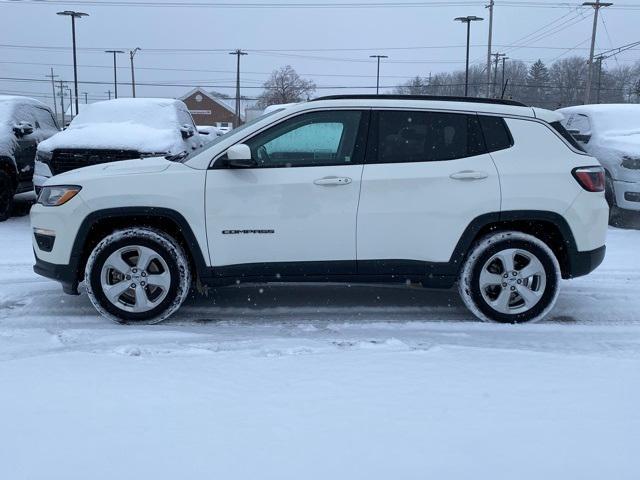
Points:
(418, 40)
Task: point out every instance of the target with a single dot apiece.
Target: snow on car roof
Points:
(146, 125)
(608, 118)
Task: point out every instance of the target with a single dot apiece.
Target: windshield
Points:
(233, 132)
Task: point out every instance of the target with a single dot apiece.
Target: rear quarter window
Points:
(564, 133)
(496, 133)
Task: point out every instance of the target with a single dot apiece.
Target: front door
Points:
(426, 177)
(295, 212)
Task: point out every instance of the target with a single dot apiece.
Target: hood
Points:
(125, 167)
(623, 143)
(116, 136)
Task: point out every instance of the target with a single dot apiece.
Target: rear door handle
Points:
(469, 175)
(332, 181)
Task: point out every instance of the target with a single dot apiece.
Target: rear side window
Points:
(412, 136)
(496, 133)
(558, 127)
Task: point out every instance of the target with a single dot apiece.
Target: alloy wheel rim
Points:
(512, 281)
(135, 278)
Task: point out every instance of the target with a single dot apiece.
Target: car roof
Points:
(454, 104)
(16, 99)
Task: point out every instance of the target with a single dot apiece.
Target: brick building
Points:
(209, 110)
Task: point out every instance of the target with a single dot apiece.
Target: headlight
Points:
(631, 163)
(57, 195)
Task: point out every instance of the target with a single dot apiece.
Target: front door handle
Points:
(469, 175)
(332, 181)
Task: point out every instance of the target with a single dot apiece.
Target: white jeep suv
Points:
(491, 195)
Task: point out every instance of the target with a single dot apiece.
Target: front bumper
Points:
(626, 194)
(67, 275)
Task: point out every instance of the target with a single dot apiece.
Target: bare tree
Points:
(415, 86)
(285, 86)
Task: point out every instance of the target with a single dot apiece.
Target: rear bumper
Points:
(65, 274)
(582, 263)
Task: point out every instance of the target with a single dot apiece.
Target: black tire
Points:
(7, 192)
(487, 249)
(171, 259)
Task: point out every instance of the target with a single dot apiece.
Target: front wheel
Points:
(510, 277)
(137, 275)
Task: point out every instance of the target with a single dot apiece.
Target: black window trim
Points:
(360, 148)
(506, 127)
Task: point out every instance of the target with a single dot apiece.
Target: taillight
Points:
(590, 178)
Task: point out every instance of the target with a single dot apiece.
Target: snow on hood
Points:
(147, 125)
(124, 167)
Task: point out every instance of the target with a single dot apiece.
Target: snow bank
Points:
(147, 125)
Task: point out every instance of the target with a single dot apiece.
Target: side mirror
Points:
(23, 128)
(239, 156)
(187, 131)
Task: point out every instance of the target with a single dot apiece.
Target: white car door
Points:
(294, 212)
(427, 176)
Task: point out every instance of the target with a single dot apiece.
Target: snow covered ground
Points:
(318, 382)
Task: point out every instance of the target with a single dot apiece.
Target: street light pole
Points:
(378, 57)
(132, 53)
(74, 15)
(597, 5)
(53, 89)
(115, 70)
(467, 20)
(490, 7)
(238, 53)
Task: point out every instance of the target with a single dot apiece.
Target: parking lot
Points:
(284, 371)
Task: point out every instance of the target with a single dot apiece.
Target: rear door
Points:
(295, 212)
(427, 177)
(25, 153)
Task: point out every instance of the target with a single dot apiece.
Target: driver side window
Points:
(312, 139)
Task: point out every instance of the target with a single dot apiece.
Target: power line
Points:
(301, 5)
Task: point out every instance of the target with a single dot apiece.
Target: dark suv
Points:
(24, 122)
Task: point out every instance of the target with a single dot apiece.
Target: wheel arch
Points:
(101, 223)
(550, 227)
(8, 165)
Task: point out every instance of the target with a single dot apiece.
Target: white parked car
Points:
(120, 129)
(488, 194)
(209, 132)
(611, 133)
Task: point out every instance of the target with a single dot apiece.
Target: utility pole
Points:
(378, 57)
(132, 53)
(61, 87)
(71, 102)
(467, 20)
(53, 89)
(495, 70)
(504, 59)
(115, 70)
(597, 5)
(109, 92)
(238, 53)
(86, 100)
(599, 60)
(490, 7)
(74, 15)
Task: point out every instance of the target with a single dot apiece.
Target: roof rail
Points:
(498, 101)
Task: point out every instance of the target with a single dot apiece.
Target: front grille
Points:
(65, 160)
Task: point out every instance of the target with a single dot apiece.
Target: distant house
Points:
(209, 110)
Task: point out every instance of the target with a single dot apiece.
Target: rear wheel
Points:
(7, 192)
(137, 275)
(510, 277)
